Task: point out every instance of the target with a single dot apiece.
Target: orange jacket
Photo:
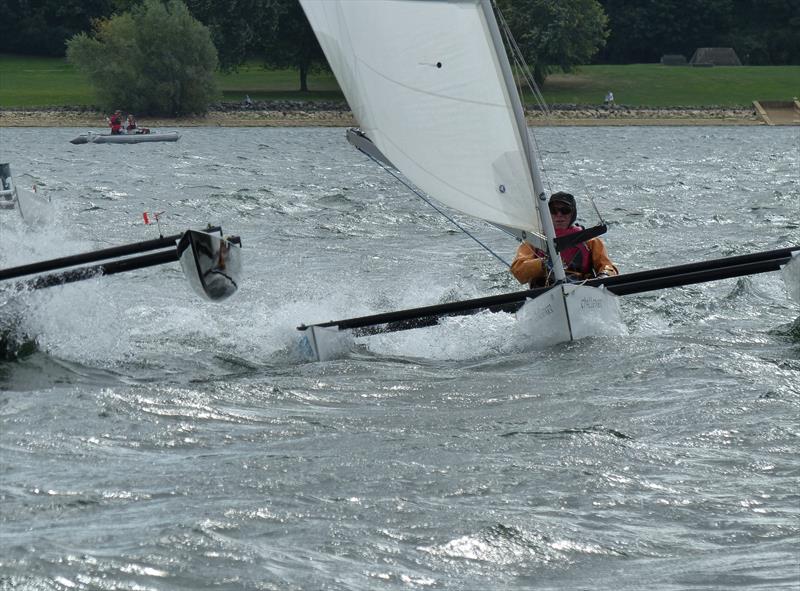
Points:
(529, 267)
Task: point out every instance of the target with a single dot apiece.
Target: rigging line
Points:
(519, 58)
(521, 69)
(530, 81)
(419, 194)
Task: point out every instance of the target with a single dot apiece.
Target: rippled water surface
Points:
(155, 441)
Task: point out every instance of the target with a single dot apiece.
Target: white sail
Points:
(424, 82)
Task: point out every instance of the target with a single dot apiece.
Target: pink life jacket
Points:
(577, 258)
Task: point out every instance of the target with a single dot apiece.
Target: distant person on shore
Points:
(609, 99)
(585, 260)
(248, 102)
(115, 123)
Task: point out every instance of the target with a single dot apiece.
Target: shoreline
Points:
(329, 114)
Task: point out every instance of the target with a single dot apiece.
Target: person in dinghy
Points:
(133, 128)
(583, 261)
(115, 122)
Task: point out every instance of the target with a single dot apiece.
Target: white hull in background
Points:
(126, 138)
(34, 207)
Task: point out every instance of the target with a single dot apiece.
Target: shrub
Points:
(156, 60)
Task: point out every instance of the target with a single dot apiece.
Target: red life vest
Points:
(577, 259)
(115, 123)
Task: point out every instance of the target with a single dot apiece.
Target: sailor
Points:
(582, 261)
(115, 123)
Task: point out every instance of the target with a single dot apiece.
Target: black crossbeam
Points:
(627, 284)
(109, 268)
(94, 256)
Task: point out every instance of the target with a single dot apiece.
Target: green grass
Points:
(51, 82)
(41, 82)
(263, 84)
(654, 85)
(48, 82)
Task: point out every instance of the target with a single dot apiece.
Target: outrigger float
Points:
(435, 96)
(211, 263)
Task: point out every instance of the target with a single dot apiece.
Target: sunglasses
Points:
(561, 210)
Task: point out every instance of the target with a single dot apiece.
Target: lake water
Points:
(156, 441)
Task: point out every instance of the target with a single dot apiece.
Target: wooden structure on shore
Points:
(778, 112)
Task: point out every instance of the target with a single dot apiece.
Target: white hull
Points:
(791, 277)
(570, 312)
(125, 138)
(565, 313)
(34, 207)
(8, 192)
(320, 343)
(212, 264)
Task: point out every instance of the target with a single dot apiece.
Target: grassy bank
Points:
(50, 82)
(654, 85)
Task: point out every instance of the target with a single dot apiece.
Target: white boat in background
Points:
(432, 89)
(125, 138)
(8, 192)
(31, 204)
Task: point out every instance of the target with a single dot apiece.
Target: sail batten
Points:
(436, 106)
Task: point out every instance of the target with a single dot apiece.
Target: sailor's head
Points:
(563, 210)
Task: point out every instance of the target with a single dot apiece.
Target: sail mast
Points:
(522, 127)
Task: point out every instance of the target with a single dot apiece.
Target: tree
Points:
(292, 43)
(560, 34)
(237, 27)
(155, 59)
(276, 31)
(42, 27)
(642, 32)
(763, 32)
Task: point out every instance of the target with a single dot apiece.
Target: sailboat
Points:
(433, 91)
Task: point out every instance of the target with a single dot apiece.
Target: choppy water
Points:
(159, 442)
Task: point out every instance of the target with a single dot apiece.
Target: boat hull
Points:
(125, 138)
(570, 312)
(791, 277)
(34, 207)
(8, 192)
(212, 264)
